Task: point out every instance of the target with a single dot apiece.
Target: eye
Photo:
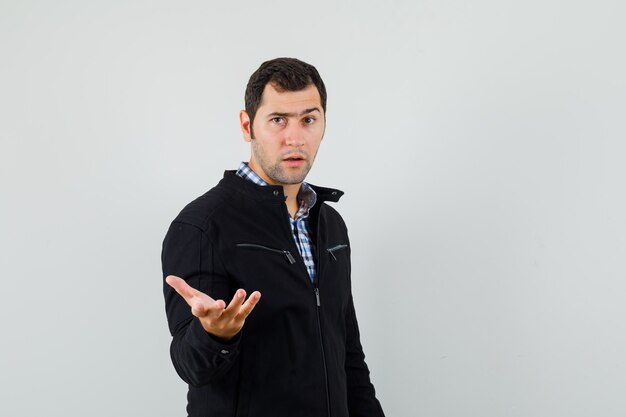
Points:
(277, 120)
(309, 120)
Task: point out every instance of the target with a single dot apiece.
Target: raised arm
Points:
(205, 332)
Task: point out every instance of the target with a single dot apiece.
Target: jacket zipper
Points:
(316, 291)
(319, 303)
(288, 254)
(332, 250)
(319, 328)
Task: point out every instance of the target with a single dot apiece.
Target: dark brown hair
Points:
(285, 74)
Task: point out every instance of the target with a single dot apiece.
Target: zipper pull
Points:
(317, 296)
(332, 250)
(290, 257)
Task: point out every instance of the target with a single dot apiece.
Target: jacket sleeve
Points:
(197, 356)
(362, 400)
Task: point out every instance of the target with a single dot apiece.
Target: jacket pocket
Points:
(285, 253)
(332, 251)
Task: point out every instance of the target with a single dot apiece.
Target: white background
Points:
(480, 145)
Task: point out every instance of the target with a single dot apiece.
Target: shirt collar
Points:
(244, 171)
(306, 196)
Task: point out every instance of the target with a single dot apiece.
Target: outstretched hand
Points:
(216, 318)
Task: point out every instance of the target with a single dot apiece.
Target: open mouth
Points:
(294, 158)
(294, 161)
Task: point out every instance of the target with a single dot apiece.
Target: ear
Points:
(245, 124)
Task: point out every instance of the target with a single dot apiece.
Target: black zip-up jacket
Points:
(298, 353)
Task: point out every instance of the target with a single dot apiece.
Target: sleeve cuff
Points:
(201, 340)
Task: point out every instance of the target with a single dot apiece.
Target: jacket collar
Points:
(273, 192)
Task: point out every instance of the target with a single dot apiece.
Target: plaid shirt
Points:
(299, 225)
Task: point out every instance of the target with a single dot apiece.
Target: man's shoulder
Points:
(201, 210)
(332, 216)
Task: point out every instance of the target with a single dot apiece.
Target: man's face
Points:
(288, 128)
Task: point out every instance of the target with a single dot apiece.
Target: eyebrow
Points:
(306, 111)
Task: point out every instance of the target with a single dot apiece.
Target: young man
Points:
(295, 350)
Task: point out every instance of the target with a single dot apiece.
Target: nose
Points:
(294, 136)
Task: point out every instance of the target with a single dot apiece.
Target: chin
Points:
(286, 178)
